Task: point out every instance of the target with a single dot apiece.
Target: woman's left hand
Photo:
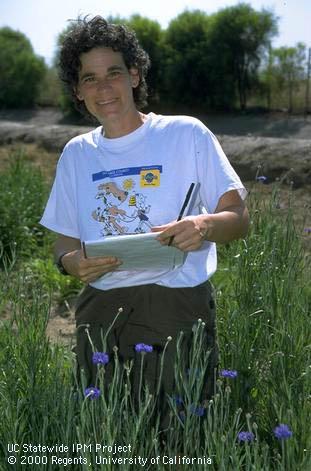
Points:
(189, 233)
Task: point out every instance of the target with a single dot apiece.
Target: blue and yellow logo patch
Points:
(150, 177)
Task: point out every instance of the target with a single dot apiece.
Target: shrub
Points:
(21, 71)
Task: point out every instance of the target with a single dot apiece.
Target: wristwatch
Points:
(59, 264)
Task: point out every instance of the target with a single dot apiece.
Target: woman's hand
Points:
(189, 233)
(88, 269)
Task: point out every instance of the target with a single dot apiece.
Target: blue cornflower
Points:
(92, 393)
(178, 400)
(261, 179)
(197, 410)
(100, 358)
(142, 347)
(282, 432)
(246, 436)
(229, 373)
(307, 230)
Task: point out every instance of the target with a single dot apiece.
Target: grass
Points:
(22, 193)
(263, 312)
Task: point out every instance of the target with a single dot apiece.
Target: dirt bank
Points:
(277, 156)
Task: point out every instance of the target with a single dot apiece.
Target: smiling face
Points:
(106, 87)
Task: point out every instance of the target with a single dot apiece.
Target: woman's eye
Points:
(114, 74)
(89, 79)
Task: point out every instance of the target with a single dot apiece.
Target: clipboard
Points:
(138, 252)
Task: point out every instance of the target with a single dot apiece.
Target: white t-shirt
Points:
(131, 183)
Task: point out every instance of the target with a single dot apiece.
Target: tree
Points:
(151, 38)
(267, 78)
(21, 71)
(213, 60)
(289, 69)
(186, 73)
(238, 37)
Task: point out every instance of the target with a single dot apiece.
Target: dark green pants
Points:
(150, 314)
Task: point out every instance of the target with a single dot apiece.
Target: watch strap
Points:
(59, 264)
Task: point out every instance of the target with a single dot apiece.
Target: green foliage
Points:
(213, 60)
(263, 306)
(43, 273)
(23, 194)
(284, 73)
(200, 60)
(24, 243)
(34, 376)
(21, 71)
(237, 39)
(66, 105)
(50, 89)
(185, 69)
(151, 37)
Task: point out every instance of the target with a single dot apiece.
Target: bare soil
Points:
(275, 145)
(276, 124)
(278, 144)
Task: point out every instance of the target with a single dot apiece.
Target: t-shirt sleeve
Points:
(60, 214)
(215, 172)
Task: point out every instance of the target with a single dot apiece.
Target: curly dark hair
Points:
(85, 35)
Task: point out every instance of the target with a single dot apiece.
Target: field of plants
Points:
(259, 418)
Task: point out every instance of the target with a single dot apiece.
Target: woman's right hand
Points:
(88, 269)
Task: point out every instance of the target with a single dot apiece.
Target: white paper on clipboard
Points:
(138, 252)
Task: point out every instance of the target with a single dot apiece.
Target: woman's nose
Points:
(103, 83)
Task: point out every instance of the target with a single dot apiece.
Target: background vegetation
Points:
(263, 304)
(222, 61)
(21, 71)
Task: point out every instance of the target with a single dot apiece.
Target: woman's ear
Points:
(135, 79)
(78, 94)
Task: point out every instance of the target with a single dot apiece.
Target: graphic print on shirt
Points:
(121, 207)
